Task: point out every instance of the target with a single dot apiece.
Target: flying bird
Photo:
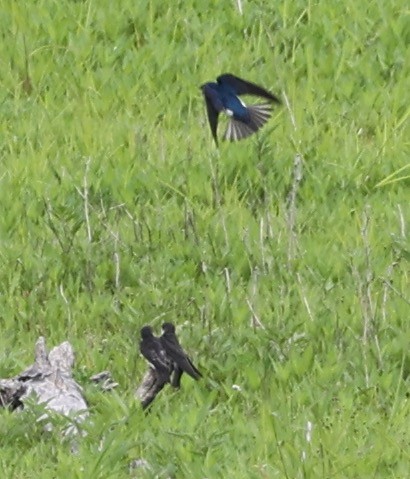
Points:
(181, 362)
(223, 96)
(153, 351)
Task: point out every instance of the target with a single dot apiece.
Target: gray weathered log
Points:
(49, 381)
(150, 386)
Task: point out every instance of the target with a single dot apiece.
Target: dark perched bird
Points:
(223, 96)
(180, 359)
(153, 351)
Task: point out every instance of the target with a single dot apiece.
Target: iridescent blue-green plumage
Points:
(222, 96)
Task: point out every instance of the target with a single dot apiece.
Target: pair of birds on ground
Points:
(166, 355)
(223, 97)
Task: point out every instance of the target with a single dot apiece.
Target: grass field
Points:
(283, 259)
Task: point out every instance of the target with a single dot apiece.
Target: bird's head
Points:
(168, 328)
(146, 332)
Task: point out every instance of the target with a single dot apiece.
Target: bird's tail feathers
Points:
(237, 130)
(259, 115)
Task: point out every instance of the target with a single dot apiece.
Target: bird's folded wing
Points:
(177, 354)
(194, 368)
(157, 358)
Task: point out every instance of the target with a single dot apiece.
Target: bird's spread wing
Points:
(212, 117)
(258, 114)
(243, 87)
(236, 130)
